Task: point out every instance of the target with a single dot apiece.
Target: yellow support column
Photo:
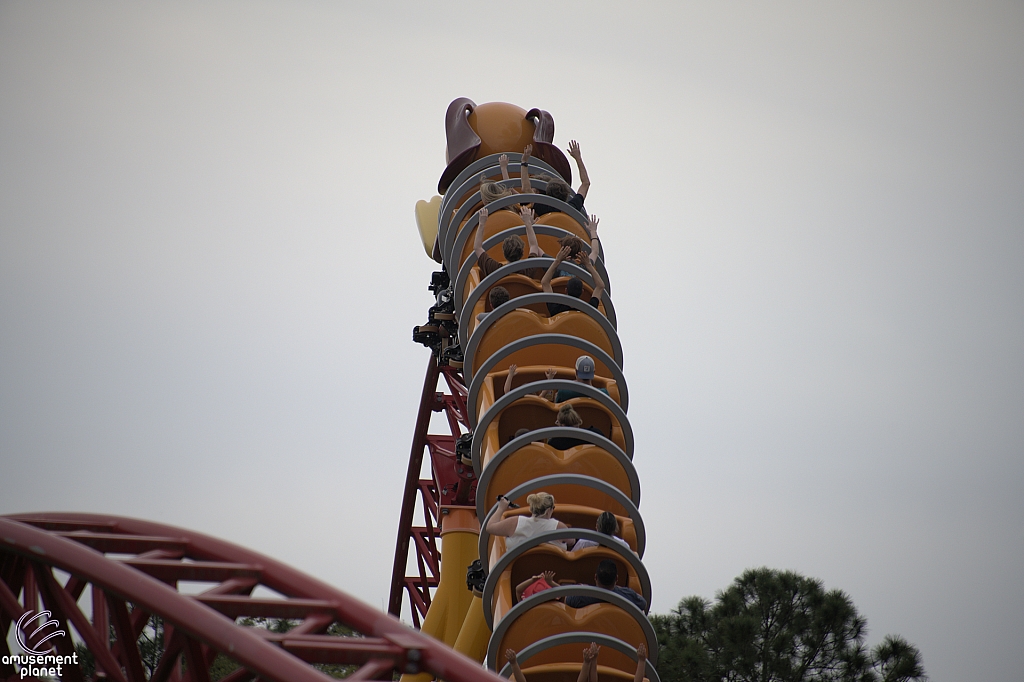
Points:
(460, 531)
(475, 634)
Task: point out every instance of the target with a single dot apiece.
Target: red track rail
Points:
(143, 581)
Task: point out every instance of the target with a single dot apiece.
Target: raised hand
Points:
(526, 153)
(574, 152)
(527, 214)
(592, 225)
(483, 215)
(562, 254)
(548, 576)
(511, 374)
(550, 373)
(591, 652)
(511, 656)
(503, 160)
(641, 652)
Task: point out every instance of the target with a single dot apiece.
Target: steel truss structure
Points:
(105, 578)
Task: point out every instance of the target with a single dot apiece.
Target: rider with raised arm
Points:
(511, 247)
(518, 529)
(491, 190)
(538, 583)
(588, 672)
(560, 189)
(524, 169)
(574, 287)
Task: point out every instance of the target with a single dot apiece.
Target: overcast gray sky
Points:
(814, 222)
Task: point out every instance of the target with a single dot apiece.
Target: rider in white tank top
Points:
(529, 526)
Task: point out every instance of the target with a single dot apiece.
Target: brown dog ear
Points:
(543, 149)
(463, 142)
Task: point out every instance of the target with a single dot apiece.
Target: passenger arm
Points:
(574, 152)
(545, 281)
(524, 170)
(478, 238)
(508, 380)
(595, 241)
(548, 576)
(503, 162)
(528, 217)
(517, 674)
(549, 394)
(584, 669)
(588, 672)
(598, 282)
(641, 663)
(499, 526)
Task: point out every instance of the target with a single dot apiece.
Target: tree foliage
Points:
(896, 659)
(777, 626)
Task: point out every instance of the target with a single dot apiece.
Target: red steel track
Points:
(142, 581)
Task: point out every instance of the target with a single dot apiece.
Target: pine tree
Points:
(777, 626)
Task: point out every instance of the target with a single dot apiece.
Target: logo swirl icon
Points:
(27, 618)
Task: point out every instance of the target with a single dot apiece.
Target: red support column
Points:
(413, 485)
(452, 482)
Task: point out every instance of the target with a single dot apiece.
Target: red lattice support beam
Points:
(451, 482)
(127, 592)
